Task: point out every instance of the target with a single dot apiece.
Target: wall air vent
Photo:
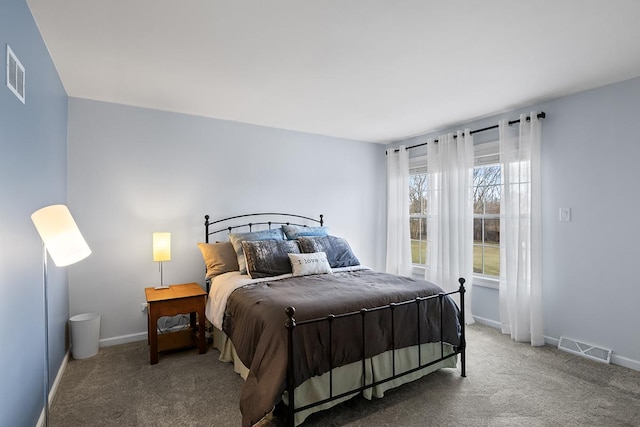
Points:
(15, 75)
(585, 350)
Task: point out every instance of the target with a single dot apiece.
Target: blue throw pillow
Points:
(294, 231)
(337, 249)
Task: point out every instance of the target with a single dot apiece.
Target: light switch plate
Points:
(565, 214)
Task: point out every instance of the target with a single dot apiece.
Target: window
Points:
(486, 211)
(486, 220)
(418, 214)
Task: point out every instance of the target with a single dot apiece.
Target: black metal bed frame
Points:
(291, 324)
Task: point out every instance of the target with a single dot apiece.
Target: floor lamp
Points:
(61, 238)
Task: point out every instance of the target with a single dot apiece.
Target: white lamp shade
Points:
(162, 246)
(60, 235)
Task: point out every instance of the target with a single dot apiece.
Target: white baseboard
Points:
(626, 362)
(615, 359)
(54, 387)
(551, 340)
(487, 322)
(123, 339)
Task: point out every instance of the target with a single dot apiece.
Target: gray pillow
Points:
(236, 240)
(292, 232)
(266, 258)
(337, 249)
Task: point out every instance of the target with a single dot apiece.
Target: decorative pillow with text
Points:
(306, 264)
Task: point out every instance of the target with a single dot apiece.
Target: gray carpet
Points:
(507, 384)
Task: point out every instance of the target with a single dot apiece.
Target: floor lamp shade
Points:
(60, 235)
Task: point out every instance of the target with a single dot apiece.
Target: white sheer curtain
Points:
(398, 234)
(450, 213)
(520, 231)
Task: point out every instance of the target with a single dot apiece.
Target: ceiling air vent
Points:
(15, 75)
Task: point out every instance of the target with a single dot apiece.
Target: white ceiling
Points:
(370, 70)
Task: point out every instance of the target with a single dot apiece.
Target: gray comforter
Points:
(255, 322)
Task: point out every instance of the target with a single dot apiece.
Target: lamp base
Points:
(161, 287)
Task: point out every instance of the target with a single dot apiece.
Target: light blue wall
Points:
(590, 157)
(33, 163)
(133, 171)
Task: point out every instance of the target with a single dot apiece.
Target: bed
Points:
(308, 327)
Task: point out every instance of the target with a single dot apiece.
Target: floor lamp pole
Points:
(46, 334)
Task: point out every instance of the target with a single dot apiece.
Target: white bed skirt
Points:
(349, 377)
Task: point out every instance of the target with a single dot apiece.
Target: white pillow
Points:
(313, 263)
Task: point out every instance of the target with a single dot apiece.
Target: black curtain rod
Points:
(541, 115)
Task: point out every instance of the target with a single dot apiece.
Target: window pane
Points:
(486, 224)
(492, 199)
(492, 231)
(478, 206)
(486, 189)
(477, 231)
(418, 252)
(491, 260)
(418, 230)
(486, 260)
(477, 259)
(418, 211)
(418, 194)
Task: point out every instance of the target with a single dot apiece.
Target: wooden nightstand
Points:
(178, 299)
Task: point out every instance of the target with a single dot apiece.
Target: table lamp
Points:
(161, 252)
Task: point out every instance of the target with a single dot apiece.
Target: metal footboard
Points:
(291, 324)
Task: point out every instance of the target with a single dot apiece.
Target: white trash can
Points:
(85, 335)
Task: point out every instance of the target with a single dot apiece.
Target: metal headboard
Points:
(282, 220)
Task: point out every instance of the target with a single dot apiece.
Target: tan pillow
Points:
(219, 258)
